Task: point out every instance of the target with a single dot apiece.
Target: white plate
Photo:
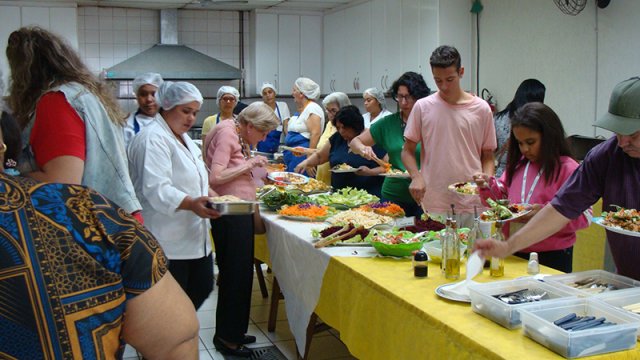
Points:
(453, 188)
(340, 171)
(515, 216)
(303, 218)
(600, 221)
(439, 292)
(392, 175)
(285, 177)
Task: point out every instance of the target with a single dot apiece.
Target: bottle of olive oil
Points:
(444, 242)
(497, 264)
(451, 257)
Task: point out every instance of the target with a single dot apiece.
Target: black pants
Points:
(557, 259)
(195, 276)
(233, 237)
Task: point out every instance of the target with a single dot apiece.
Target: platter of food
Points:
(306, 212)
(340, 235)
(464, 188)
(502, 211)
(368, 219)
(274, 200)
(395, 173)
(287, 178)
(343, 168)
(231, 205)
(346, 198)
(384, 208)
(275, 167)
(623, 221)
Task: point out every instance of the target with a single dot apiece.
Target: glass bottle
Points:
(496, 269)
(474, 234)
(444, 241)
(420, 268)
(451, 256)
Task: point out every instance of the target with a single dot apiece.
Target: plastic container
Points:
(538, 318)
(507, 315)
(620, 282)
(621, 299)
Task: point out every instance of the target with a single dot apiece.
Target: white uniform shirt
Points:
(298, 123)
(143, 122)
(164, 172)
(368, 121)
(282, 111)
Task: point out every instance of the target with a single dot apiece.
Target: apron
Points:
(271, 143)
(294, 139)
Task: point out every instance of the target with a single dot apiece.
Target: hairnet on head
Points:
(227, 90)
(308, 88)
(146, 79)
(268, 85)
(378, 94)
(170, 94)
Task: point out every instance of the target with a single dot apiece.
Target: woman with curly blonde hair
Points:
(72, 123)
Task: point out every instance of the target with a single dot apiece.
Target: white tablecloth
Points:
(300, 268)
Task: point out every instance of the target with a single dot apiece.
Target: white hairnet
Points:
(227, 90)
(308, 88)
(378, 94)
(268, 85)
(146, 79)
(170, 94)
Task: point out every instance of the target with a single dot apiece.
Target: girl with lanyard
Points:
(538, 164)
(271, 143)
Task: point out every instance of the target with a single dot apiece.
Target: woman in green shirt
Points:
(388, 133)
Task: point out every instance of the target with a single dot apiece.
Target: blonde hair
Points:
(260, 115)
(40, 61)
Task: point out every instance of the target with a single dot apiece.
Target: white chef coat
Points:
(143, 121)
(164, 172)
(368, 121)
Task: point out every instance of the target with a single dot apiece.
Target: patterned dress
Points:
(69, 261)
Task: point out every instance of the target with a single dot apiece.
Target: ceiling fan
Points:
(574, 7)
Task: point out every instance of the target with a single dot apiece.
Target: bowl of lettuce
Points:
(395, 242)
(346, 198)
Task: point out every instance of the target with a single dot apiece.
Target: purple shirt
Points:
(610, 173)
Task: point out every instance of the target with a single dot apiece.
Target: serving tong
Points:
(521, 296)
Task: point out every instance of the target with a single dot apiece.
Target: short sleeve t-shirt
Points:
(388, 133)
(298, 123)
(57, 130)
(453, 138)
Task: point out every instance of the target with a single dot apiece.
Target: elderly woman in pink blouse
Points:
(234, 172)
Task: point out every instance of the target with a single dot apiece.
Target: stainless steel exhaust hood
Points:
(173, 61)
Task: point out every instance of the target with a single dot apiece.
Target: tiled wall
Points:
(107, 36)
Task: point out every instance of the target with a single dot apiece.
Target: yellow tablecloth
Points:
(383, 312)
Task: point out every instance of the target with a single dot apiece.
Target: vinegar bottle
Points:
(451, 257)
(496, 268)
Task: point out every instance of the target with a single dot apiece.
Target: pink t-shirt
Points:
(542, 194)
(453, 137)
(223, 148)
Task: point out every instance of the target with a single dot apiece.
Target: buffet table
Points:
(381, 310)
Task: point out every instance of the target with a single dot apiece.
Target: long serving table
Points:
(381, 310)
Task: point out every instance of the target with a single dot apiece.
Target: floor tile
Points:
(206, 337)
(204, 355)
(327, 347)
(211, 303)
(261, 313)
(282, 332)
(261, 338)
(207, 318)
(287, 348)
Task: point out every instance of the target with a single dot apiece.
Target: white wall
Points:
(579, 58)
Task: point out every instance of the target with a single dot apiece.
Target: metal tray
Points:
(234, 208)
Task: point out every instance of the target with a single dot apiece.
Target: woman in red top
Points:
(72, 121)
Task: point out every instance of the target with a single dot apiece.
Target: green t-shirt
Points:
(388, 133)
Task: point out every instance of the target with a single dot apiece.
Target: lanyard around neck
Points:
(524, 184)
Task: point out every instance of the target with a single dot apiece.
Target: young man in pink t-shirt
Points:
(458, 139)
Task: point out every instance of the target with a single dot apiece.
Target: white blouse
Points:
(368, 121)
(164, 172)
(298, 123)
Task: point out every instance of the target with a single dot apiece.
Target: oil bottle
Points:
(496, 268)
(451, 253)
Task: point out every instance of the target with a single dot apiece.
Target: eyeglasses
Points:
(400, 98)
(228, 99)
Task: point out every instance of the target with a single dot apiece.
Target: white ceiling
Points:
(305, 5)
